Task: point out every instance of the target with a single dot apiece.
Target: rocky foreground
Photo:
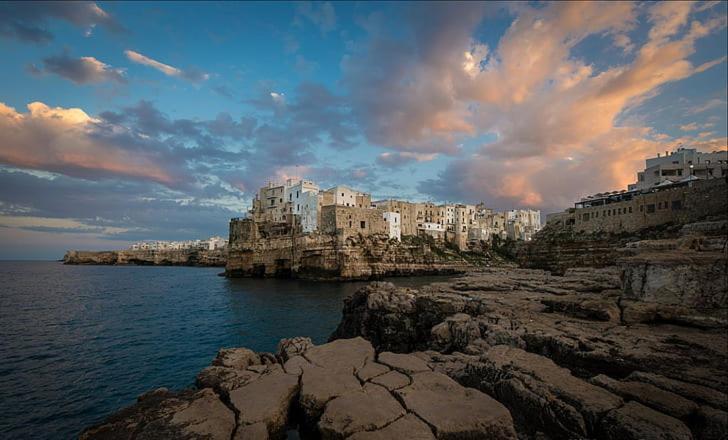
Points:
(497, 354)
(636, 350)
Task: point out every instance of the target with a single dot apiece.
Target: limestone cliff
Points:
(331, 257)
(184, 257)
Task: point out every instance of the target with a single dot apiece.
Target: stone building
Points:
(630, 211)
(406, 210)
(680, 164)
(346, 221)
(394, 224)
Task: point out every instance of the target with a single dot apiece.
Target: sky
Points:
(127, 121)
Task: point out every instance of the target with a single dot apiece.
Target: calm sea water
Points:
(79, 342)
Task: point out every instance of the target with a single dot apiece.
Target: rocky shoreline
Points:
(185, 257)
(634, 350)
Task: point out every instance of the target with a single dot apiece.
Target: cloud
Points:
(398, 159)
(84, 70)
(432, 92)
(708, 105)
(63, 140)
(320, 14)
(193, 75)
(694, 126)
(27, 21)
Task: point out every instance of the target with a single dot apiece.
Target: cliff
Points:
(331, 257)
(186, 257)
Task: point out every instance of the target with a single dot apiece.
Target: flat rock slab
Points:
(649, 395)
(393, 380)
(342, 354)
(409, 427)
(454, 411)
(366, 410)
(404, 363)
(560, 402)
(320, 385)
(257, 431)
(635, 421)
(225, 379)
(370, 370)
(161, 414)
(266, 400)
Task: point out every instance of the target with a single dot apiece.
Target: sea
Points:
(80, 342)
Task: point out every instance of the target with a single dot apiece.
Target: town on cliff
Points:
(612, 327)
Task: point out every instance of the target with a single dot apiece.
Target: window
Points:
(342, 194)
(630, 210)
(585, 217)
(650, 208)
(349, 223)
(676, 205)
(363, 224)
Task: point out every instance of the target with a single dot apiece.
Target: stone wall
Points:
(681, 204)
(350, 221)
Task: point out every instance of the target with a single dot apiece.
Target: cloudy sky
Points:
(122, 121)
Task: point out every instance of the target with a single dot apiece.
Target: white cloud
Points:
(192, 75)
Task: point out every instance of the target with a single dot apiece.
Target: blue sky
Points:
(125, 121)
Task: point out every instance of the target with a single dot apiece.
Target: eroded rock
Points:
(454, 411)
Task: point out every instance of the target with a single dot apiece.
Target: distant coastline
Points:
(167, 257)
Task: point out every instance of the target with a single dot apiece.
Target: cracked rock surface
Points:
(569, 356)
(338, 390)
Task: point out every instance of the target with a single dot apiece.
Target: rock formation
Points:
(330, 257)
(182, 257)
(338, 390)
(570, 356)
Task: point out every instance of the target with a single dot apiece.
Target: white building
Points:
(345, 196)
(310, 203)
(679, 165)
(394, 224)
(295, 191)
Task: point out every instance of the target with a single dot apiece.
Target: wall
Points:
(347, 221)
(679, 205)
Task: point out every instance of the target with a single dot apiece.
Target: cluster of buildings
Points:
(679, 186)
(301, 206)
(211, 244)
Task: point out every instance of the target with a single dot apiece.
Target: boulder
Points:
(162, 414)
(287, 348)
(240, 358)
(224, 379)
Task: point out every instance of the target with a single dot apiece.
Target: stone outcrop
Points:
(571, 356)
(338, 390)
(321, 256)
(182, 257)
